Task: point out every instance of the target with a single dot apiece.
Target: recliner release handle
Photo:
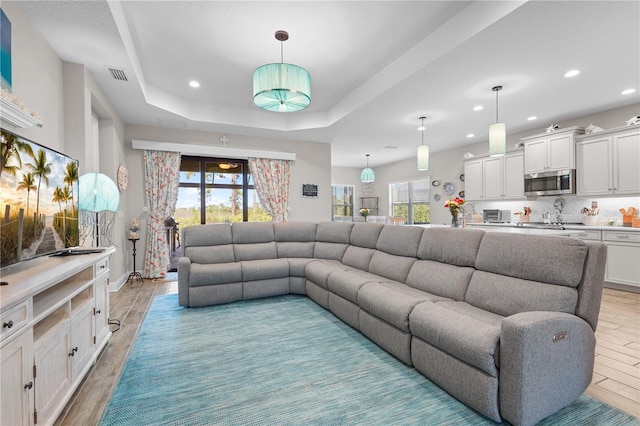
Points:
(559, 336)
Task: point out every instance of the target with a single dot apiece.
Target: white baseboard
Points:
(117, 285)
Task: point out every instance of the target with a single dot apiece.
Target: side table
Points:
(134, 275)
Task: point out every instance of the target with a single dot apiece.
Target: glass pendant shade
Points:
(281, 87)
(497, 139)
(423, 157)
(367, 175)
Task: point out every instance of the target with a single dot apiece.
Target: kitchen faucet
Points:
(464, 215)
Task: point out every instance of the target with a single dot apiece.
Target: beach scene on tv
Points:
(39, 194)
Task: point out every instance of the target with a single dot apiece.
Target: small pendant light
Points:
(423, 150)
(497, 133)
(367, 175)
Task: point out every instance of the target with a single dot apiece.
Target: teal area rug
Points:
(284, 361)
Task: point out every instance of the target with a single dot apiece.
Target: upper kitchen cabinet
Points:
(607, 162)
(494, 178)
(550, 152)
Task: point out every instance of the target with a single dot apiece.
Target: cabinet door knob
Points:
(28, 385)
(98, 311)
(7, 324)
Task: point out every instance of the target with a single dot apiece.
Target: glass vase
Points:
(454, 221)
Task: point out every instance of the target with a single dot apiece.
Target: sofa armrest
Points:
(546, 362)
(184, 268)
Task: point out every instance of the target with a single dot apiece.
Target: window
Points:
(229, 194)
(342, 202)
(410, 199)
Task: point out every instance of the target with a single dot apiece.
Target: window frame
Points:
(410, 203)
(352, 189)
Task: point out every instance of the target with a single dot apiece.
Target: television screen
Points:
(39, 193)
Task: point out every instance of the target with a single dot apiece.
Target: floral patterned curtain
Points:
(271, 180)
(162, 177)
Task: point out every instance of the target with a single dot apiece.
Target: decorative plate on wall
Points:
(462, 177)
(123, 178)
(436, 197)
(435, 183)
(448, 188)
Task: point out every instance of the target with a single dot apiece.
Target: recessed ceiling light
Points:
(478, 108)
(572, 73)
(533, 117)
(470, 135)
(628, 91)
(194, 84)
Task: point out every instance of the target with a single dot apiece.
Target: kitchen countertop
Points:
(567, 227)
(510, 229)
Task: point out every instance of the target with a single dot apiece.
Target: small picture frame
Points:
(309, 190)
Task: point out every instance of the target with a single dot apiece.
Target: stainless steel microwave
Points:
(550, 183)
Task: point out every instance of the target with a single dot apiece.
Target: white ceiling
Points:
(376, 66)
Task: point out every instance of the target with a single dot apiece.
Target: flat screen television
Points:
(39, 193)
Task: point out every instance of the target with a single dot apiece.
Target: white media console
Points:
(55, 322)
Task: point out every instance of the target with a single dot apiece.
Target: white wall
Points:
(447, 166)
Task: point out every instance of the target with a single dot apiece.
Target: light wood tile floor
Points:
(616, 379)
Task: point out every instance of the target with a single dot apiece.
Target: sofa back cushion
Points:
(520, 273)
(365, 234)
(553, 260)
(295, 239)
(391, 266)
(441, 279)
(208, 243)
(332, 240)
(253, 241)
(506, 296)
(358, 257)
(454, 246)
(400, 240)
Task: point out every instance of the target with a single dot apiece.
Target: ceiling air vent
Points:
(117, 74)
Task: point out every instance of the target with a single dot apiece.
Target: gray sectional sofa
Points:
(505, 323)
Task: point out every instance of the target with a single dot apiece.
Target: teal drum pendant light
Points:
(367, 175)
(281, 87)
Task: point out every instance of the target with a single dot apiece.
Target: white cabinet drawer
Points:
(14, 318)
(101, 267)
(621, 236)
(590, 234)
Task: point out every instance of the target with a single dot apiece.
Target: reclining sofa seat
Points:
(483, 315)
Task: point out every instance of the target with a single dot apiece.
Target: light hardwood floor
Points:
(616, 378)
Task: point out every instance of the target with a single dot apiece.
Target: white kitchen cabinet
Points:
(623, 252)
(495, 178)
(16, 385)
(550, 151)
(607, 162)
(473, 179)
(56, 313)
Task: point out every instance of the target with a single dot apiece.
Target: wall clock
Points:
(123, 178)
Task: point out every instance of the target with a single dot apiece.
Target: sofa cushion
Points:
(346, 284)
(334, 232)
(450, 245)
(211, 274)
(326, 250)
(318, 272)
(252, 232)
(293, 249)
(506, 296)
(388, 304)
(439, 278)
(295, 231)
(390, 266)
(297, 265)
(207, 235)
(255, 251)
(401, 241)
(254, 270)
(358, 257)
(210, 254)
(365, 234)
(545, 259)
(458, 333)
